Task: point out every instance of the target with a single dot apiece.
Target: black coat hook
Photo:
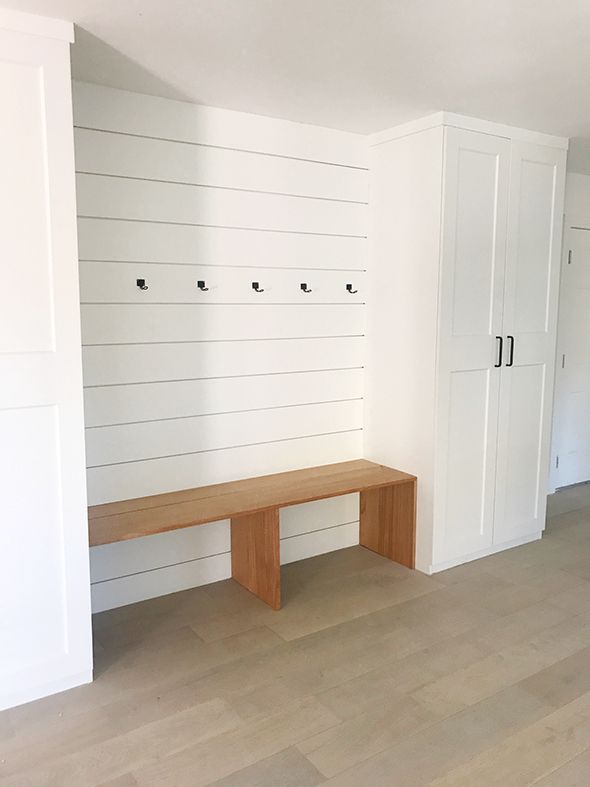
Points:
(201, 286)
(256, 287)
(304, 287)
(350, 290)
(141, 284)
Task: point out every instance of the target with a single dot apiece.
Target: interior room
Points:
(295, 401)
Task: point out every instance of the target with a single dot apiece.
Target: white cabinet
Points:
(461, 352)
(45, 634)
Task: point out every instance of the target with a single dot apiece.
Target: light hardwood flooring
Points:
(371, 675)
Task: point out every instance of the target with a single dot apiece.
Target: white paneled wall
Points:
(185, 387)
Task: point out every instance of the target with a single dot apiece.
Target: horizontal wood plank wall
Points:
(185, 387)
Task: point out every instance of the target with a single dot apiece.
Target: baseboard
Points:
(159, 581)
(444, 565)
(11, 700)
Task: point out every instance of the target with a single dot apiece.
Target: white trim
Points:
(46, 689)
(434, 569)
(406, 129)
(469, 124)
(502, 130)
(36, 25)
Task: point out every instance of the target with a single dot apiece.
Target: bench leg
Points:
(388, 522)
(255, 557)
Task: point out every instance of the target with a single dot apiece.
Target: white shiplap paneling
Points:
(130, 323)
(106, 365)
(108, 445)
(178, 203)
(116, 282)
(120, 482)
(100, 107)
(141, 241)
(107, 153)
(185, 388)
(124, 404)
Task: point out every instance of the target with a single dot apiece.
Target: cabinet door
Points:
(45, 635)
(470, 318)
(530, 315)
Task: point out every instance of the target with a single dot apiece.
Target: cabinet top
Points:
(33, 24)
(470, 124)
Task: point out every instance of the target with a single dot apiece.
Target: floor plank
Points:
(573, 774)
(525, 756)
(288, 768)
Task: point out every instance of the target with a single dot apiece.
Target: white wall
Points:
(185, 388)
(571, 425)
(577, 195)
(578, 156)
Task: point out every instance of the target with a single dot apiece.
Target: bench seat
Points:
(387, 515)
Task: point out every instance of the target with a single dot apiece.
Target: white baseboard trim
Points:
(443, 566)
(120, 591)
(12, 699)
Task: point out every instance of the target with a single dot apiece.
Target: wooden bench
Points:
(387, 516)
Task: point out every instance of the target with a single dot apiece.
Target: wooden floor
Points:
(371, 675)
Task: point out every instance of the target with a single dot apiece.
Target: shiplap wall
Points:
(183, 387)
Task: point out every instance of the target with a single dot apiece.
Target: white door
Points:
(45, 634)
(470, 319)
(529, 328)
(572, 386)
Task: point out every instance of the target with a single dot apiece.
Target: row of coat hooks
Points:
(201, 285)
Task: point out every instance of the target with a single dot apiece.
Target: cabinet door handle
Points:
(511, 351)
(500, 341)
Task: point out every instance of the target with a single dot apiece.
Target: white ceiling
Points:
(360, 65)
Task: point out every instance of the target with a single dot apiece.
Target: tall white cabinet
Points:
(45, 634)
(466, 240)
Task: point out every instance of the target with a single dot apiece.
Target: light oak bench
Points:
(387, 516)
